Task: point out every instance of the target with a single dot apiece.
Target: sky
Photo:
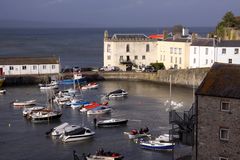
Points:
(119, 13)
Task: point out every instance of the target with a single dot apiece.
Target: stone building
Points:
(217, 130)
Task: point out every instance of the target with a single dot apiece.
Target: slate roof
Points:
(178, 40)
(28, 60)
(203, 42)
(129, 36)
(223, 80)
(229, 43)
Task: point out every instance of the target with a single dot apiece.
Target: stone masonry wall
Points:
(184, 77)
(210, 119)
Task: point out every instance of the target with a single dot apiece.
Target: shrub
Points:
(158, 66)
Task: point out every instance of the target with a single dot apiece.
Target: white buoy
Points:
(9, 125)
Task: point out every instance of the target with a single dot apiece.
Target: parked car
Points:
(149, 69)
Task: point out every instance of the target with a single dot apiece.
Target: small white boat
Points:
(135, 134)
(112, 156)
(2, 91)
(90, 86)
(76, 134)
(57, 131)
(27, 111)
(24, 103)
(120, 93)
(99, 110)
(163, 138)
(45, 116)
(157, 145)
(113, 122)
(46, 87)
(100, 155)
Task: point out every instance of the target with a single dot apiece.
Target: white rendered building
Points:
(128, 51)
(30, 65)
(202, 53)
(228, 51)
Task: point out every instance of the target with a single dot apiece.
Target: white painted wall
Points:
(18, 69)
(230, 54)
(118, 49)
(201, 59)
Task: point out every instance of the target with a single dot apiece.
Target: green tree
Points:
(229, 19)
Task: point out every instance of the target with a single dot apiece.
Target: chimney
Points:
(105, 34)
(194, 36)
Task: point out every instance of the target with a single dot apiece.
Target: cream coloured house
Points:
(128, 51)
(174, 53)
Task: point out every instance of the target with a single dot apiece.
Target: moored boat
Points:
(120, 93)
(134, 134)
(113, 122)
(99, 110)
(78, 133)
(27, 111)
(93, 105)
(24, 103)
(90, 86)
(157, 145)
(2, 91)
(105, 156)
(45, 116)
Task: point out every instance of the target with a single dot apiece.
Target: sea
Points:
(82, 47)
(147, 103)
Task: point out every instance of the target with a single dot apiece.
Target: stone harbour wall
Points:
(183, 77)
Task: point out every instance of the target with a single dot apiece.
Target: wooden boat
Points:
(24, 103)
(111, 122)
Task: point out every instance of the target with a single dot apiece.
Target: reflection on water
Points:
(145, 106)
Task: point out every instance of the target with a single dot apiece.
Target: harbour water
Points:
(145, 106)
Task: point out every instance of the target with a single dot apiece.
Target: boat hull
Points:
(45, 119)
(73, 138)
(94, 157)
(112, 124)
(157, 147)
